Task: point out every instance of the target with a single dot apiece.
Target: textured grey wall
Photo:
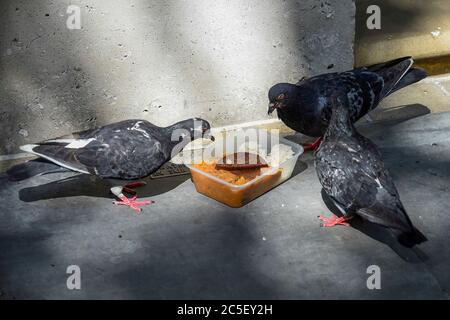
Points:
(158, 60)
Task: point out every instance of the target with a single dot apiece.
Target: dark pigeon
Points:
(306, 106)
(352, 173)
(126, 150)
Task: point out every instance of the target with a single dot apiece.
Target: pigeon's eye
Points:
(280, 97)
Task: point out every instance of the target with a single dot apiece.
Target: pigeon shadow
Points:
(393, 115)
(404, 112)
(91, 186)
(379, 233)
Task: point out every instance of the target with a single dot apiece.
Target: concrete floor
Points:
(188, 246)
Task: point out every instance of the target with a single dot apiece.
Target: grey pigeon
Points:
(353, 176)
(126, 150)
(306, 106)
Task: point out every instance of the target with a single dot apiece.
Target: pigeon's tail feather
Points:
(409, 239)
(412, 76)
(32, 168)
(395, 220)
(392, 72)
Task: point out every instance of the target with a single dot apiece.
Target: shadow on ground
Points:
(189, 246)
(382, 119)
(204, 262)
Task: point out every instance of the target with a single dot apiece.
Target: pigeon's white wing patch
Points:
(72, 143)
(78, 144)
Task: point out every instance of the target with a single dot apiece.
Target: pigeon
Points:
(306, 106)
(125, 150)
(351, 171)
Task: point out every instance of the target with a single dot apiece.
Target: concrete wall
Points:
(158, 60)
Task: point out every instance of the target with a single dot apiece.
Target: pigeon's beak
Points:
(272, 107)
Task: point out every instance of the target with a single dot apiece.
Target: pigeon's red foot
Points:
(132, 203)
(334, 221)
(312, 146)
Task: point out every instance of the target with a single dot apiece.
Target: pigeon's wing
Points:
(397, 220)
(128, 156)
(371, 84)
(362, 88)
(387, 209)
(393, 72)
(365, 91)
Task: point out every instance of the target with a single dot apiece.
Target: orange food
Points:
(237, 177)
(233, 196)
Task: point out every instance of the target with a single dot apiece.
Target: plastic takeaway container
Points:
(238, 195)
